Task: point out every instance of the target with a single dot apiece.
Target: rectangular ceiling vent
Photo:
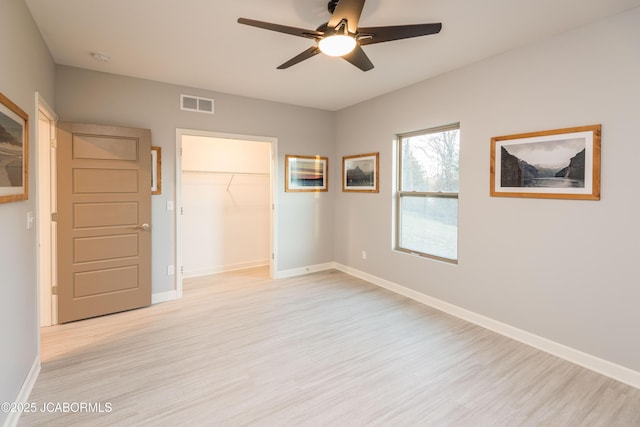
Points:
(196, 103)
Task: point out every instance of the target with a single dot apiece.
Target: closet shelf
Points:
(226, 173)
(233, 174)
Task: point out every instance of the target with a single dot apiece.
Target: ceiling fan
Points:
(342, 37)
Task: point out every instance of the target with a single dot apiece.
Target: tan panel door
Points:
(104, 220)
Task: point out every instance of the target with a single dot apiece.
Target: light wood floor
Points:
(324, 349)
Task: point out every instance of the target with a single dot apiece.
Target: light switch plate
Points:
(30, 220)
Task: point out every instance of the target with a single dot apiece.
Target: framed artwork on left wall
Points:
(14, 152)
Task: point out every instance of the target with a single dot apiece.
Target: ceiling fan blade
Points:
(300, 32)
(349, 10)
(371, 35)
(312, 51)
(360, 59)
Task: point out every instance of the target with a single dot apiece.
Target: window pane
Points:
(430, 162)
(429, 225)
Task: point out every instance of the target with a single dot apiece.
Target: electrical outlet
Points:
(170, 205)
(364, 254)
(171, 270)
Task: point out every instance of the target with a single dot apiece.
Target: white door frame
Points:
(45, 137)
(272, 198)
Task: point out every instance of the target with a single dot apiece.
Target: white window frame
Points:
(427, 194)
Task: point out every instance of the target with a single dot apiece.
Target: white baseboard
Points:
(25, 392)
(304, 270)
(601, 366)
(225, 268)
(163, 297)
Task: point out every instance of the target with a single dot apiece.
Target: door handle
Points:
(143, 227)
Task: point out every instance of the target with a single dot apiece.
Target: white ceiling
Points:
(198, 43)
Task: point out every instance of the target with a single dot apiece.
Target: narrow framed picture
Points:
(14, 152)
(360, 173)
(306, 173)
(555, 164)
(156, 170)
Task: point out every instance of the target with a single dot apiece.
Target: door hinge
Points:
(181, 269)
(54, 216)
(273, 256)
(54, 290)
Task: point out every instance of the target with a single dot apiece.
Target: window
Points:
(427, 193)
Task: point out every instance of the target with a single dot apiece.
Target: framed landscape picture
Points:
(556, 164)
(156, 170)
(306, 173)
(360, 173)
(14, 152)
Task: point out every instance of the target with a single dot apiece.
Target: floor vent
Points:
(195, 103)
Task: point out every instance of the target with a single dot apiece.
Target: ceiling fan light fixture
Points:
(342, 37)
(337, 45)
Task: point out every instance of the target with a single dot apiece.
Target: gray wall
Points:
(26, 67)
(304, 219)
(565, 270)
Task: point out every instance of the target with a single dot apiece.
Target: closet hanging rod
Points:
(233, 175)
(227, 173)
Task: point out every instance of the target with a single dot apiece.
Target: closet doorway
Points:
(225, 203)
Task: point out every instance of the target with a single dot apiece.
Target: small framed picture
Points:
(14, 152)
(360, 173)
(306, 173)
(555, 164)
(156, 170)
